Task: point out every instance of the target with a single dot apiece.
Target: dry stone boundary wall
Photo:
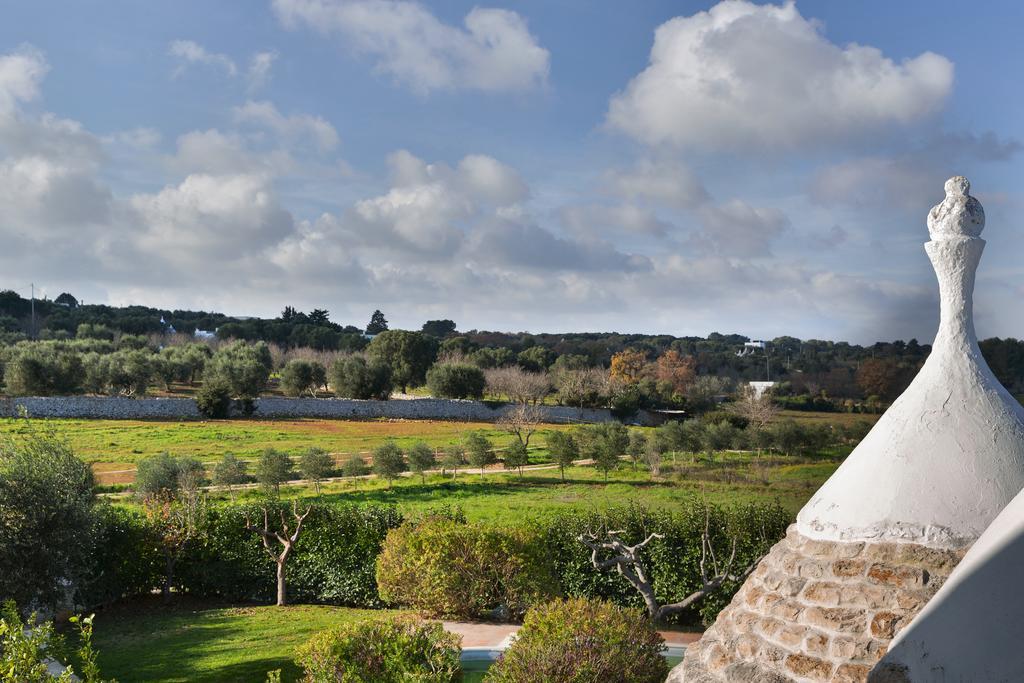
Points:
(116, 408)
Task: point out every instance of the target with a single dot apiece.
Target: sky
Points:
(546, 166)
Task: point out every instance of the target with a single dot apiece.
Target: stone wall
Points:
(817, 611)
(103, 407)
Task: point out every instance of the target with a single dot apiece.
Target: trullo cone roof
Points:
(948, 455)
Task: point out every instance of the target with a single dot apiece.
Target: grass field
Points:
(146, 640)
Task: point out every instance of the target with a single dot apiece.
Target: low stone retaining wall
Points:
(114, 408)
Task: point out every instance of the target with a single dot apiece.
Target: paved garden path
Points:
(483, 635)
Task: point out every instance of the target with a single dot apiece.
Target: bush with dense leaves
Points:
(42, 369)
(213, 400)
(46, 521)
(449, 569)
(355, 377)
(582, 641)
(388, 650)
(243, 368)
(301, 376)
(456, 380)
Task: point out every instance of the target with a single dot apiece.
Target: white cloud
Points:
(742, 75)
(666, 182)
(493, 52)
(629, 219)
(190, 53)
(212, 151)
(293, 127)
(738, 229)
(208, 218)
(21, 72)
(259, 69)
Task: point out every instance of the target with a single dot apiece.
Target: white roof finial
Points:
(959, 214)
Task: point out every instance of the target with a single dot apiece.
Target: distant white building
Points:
(204, 334)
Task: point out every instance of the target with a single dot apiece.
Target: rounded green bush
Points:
(583, 641)
(390, 650)
(456, 380)
(448, 569)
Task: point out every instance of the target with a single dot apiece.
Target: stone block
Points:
(839, 619)
(812, 569)
(848, 568)
(897, 575)
(791, 587)
(851, 673)
(816, 643)
(883, 625)
(747, 646)
(863, 594)
(809, 667)
(786, 610)
(791, 636)
(716, 657)
(822, 593)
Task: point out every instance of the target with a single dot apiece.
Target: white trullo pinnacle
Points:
(948, 455)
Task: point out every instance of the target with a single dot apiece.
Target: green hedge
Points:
(673, 562)
(438, 564)
(333, 561)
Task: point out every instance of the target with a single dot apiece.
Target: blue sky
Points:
(665, 167)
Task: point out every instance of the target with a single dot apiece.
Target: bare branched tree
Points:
(518, 385)
(286, 537)
(522, 420)
(626, 560)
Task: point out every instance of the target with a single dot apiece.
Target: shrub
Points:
(456, 380)
(162, 474)
(421, 459)
(408, 355)
(213, 400)
(355, 466)
(388, 461)
(302, 376)
(273, 469)
(389, 650)
(315, 465)
(580, 641)
(46, 521)
(243, 368)
(479, 452)
(43, 369)
(447, 569)
(127, 557)
(354, 377)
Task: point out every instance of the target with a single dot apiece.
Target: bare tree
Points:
(522, 420)
(759, 410)
(286, 537)
(626, 560)
(518, 385)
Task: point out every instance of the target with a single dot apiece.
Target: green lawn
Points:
(126, 441)
(146, 640)
(505, 496)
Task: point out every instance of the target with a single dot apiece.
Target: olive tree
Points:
(407, 354)
(47, 511)
(388, 461)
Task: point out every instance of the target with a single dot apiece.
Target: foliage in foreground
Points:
(25, 648)
(447, 568)
(582, 640)
(391, 650)
(46, 517)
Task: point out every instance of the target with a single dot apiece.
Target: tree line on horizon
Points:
(811, 373)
